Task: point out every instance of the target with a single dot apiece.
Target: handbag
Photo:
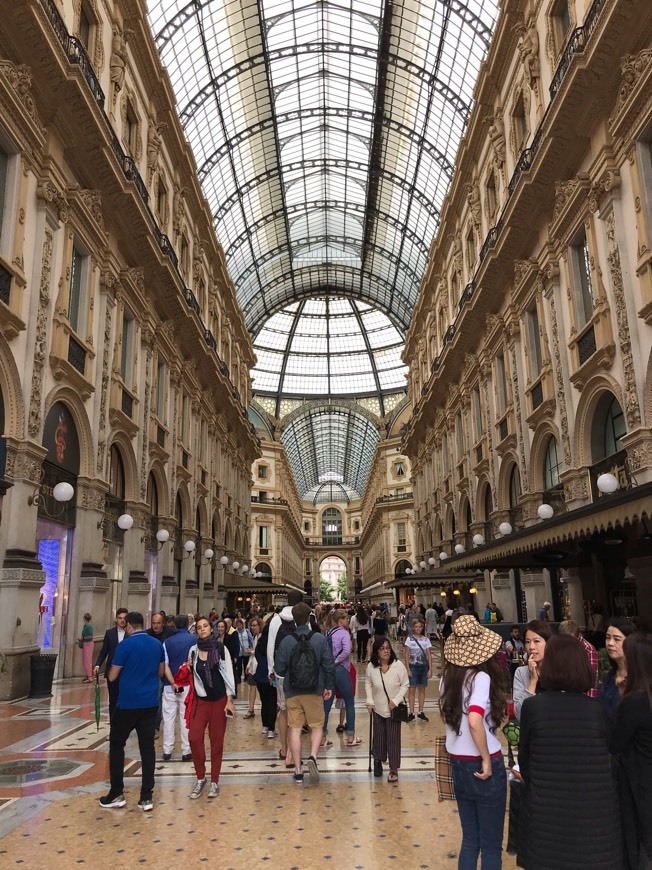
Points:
(80, 644)
(400, 713)
(443, 771)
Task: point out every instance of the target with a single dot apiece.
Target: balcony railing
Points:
(76, 355)
(256, 499)
(5, 284)
(403, 496)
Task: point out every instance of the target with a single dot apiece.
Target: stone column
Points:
(536, 590)
(573, 583)
(21, 575)
(93, 598)
(503, 594)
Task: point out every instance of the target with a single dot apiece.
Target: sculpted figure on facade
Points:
(118, 64)
(528, 49)
(497, 137)
(473, 199)
(154, 141)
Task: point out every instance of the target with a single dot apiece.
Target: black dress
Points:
(569, 813)
(631, 743)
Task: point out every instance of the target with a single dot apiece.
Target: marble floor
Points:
(54, 767)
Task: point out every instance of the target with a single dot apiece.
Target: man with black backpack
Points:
(305, 661)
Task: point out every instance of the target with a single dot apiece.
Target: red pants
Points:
(213, 715)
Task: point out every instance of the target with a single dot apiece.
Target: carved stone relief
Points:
(632, 406)
(40, 339)
(559, 384)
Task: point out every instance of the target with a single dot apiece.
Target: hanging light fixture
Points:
(478, 540)
(431, 561)
(125, 521)
(505, 529)
(224, 561)
(459, 549)
(235, 566)
(443, 555)
(422, 565)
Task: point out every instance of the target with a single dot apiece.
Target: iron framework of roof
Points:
(325, 134)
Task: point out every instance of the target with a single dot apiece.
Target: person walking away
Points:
(515, 649)
(112, 637)
(266, 690)
(432, 629)
(255, 627)
(339, 640)
(631, 743)
(211, 669)
(386, 687)
(139, 662)
(161, 631)
(573, 629)
(544, 613)
(245, 649)
(418, 662)
(472, 706)
(86, 641)
(380, 625)
(362, 634)
(569, 814)
(176, 649)
(284, 627)
(305, 661)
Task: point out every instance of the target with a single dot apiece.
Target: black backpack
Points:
(303, 667)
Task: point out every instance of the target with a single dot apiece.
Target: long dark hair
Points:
(361, 616)
(458, 686)
(638, 655)
(625, 626)
(378, 642)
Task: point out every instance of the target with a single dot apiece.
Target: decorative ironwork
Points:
(467, 293)
(5, 284)
(77, 54)
(114, 507)
(576, 45)
(536, 394)
(615, 464)
(526, 159)
(492, 238)
(191, 301)
(76, 355)
(448, 335)
(127, 403)
(586, 345)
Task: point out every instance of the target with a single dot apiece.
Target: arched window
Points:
(152, 495)
(614, 428)
(265, 570)
(488, 504)
(514, 487)
(608, 429)
(331, 526)
(402, 567)
(116, 474)
(469, 516)
(552, 465)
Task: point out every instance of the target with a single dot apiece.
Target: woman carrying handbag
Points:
(386, 685)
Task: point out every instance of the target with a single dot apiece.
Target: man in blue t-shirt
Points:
(139, 662)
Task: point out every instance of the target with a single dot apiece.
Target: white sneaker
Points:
(271, 735)
(265, 732)
(214, 790)
(198, 789)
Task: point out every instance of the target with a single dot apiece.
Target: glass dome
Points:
(328, 346)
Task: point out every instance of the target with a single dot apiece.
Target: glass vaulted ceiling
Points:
(325, 136)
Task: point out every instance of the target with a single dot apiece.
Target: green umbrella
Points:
(97, 701)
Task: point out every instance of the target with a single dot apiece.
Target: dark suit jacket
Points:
(109, 647)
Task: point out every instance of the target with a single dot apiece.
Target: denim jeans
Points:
(345, 688)
(481, 805)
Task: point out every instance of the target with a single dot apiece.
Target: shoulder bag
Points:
(443, 771)
(399, 713)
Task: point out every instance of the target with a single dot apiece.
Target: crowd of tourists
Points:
(583, 739)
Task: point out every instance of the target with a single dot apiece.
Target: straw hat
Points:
(470, 643)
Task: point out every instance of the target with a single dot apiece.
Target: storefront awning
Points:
(559, 542)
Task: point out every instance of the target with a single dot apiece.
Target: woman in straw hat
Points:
(473, 705)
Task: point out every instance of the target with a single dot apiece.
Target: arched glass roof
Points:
(331, 450)
(325, 136)
(328, 346)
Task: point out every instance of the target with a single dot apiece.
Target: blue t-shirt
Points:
(139, 656)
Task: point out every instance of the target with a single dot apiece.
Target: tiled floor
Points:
(49, 812)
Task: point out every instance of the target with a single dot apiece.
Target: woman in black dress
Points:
(569, 804)
(631, 743)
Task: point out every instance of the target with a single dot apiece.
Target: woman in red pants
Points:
(214, 689)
